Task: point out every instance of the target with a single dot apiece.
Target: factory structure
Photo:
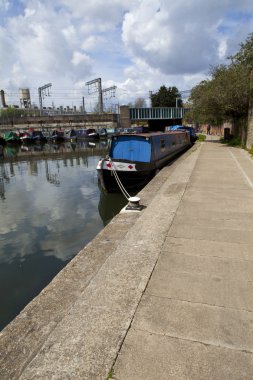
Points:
(25, 101)
(38, 115)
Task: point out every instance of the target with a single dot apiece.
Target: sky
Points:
(135, 45)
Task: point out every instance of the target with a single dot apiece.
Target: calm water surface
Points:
(50, 207)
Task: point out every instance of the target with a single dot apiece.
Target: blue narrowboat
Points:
(135, 158)
(38, 136)
(190, 130)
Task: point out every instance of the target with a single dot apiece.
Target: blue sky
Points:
(136, 45)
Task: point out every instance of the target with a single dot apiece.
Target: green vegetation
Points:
(201, 137)
(110, 375)
(251, 151)
(138, 103)
(166, 97)
(10, 113)
(225, 96)
(234, 141)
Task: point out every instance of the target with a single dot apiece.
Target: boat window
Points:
(162, 145)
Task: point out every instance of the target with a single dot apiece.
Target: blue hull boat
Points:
(135, 158)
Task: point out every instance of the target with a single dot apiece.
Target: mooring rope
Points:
(125, 193)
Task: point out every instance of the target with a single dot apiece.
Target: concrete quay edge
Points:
(74, 328)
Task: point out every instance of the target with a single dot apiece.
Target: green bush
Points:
(233, 141)
(201, 137)
(250, 151)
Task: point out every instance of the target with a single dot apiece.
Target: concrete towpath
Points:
(195, 319)
(163, 294)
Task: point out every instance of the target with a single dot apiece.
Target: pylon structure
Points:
(43, 91)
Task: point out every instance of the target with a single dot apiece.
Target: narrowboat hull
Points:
(124, 165)
(130, 174)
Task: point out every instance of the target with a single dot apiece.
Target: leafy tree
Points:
(140, 103)
(166, 97)
(11, 112)
(245, 54)
(225, 96)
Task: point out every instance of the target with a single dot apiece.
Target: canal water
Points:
(51, 206)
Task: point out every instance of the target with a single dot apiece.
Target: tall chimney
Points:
(3, 98)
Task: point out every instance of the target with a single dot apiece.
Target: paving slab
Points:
(148, 356)
(210, 248)
(210, 266)
(201, 288)
(207, 324)
(229, 221)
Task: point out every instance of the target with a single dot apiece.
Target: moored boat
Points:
(190, 130)
(70, 135)
(89, 133)
(11, 137)
(57, 136)
(2, 141)
(25, 137)
(38, 137)
(102, 133)
(135, 158)
(1, 150)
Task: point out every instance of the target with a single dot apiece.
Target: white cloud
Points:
(4, 5)
(80, 58)
(137, 45)
(92, 42)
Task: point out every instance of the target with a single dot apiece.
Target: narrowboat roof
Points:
(150, 134)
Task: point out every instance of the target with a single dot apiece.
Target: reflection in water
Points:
(4, 178)
(2, 190)
(110, 205)
(17, 151)
(52, 177)
(48, 212)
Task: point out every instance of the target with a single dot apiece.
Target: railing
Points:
(157, 113)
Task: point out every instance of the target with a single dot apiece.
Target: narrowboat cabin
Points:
(25, 137)
(57, 136)
(11, 137)
(102, 133)
(190, 130)
(89, 133)
(135, 158)
(38, 137)
(70, 135)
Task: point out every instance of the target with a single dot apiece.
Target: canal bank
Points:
(165, 293)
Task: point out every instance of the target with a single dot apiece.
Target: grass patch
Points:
(110, 375)
(250, 151)
(201, 137)
(234, 141)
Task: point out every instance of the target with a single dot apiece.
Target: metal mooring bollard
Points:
(133, 204)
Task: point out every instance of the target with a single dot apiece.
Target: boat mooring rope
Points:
(125, 193)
